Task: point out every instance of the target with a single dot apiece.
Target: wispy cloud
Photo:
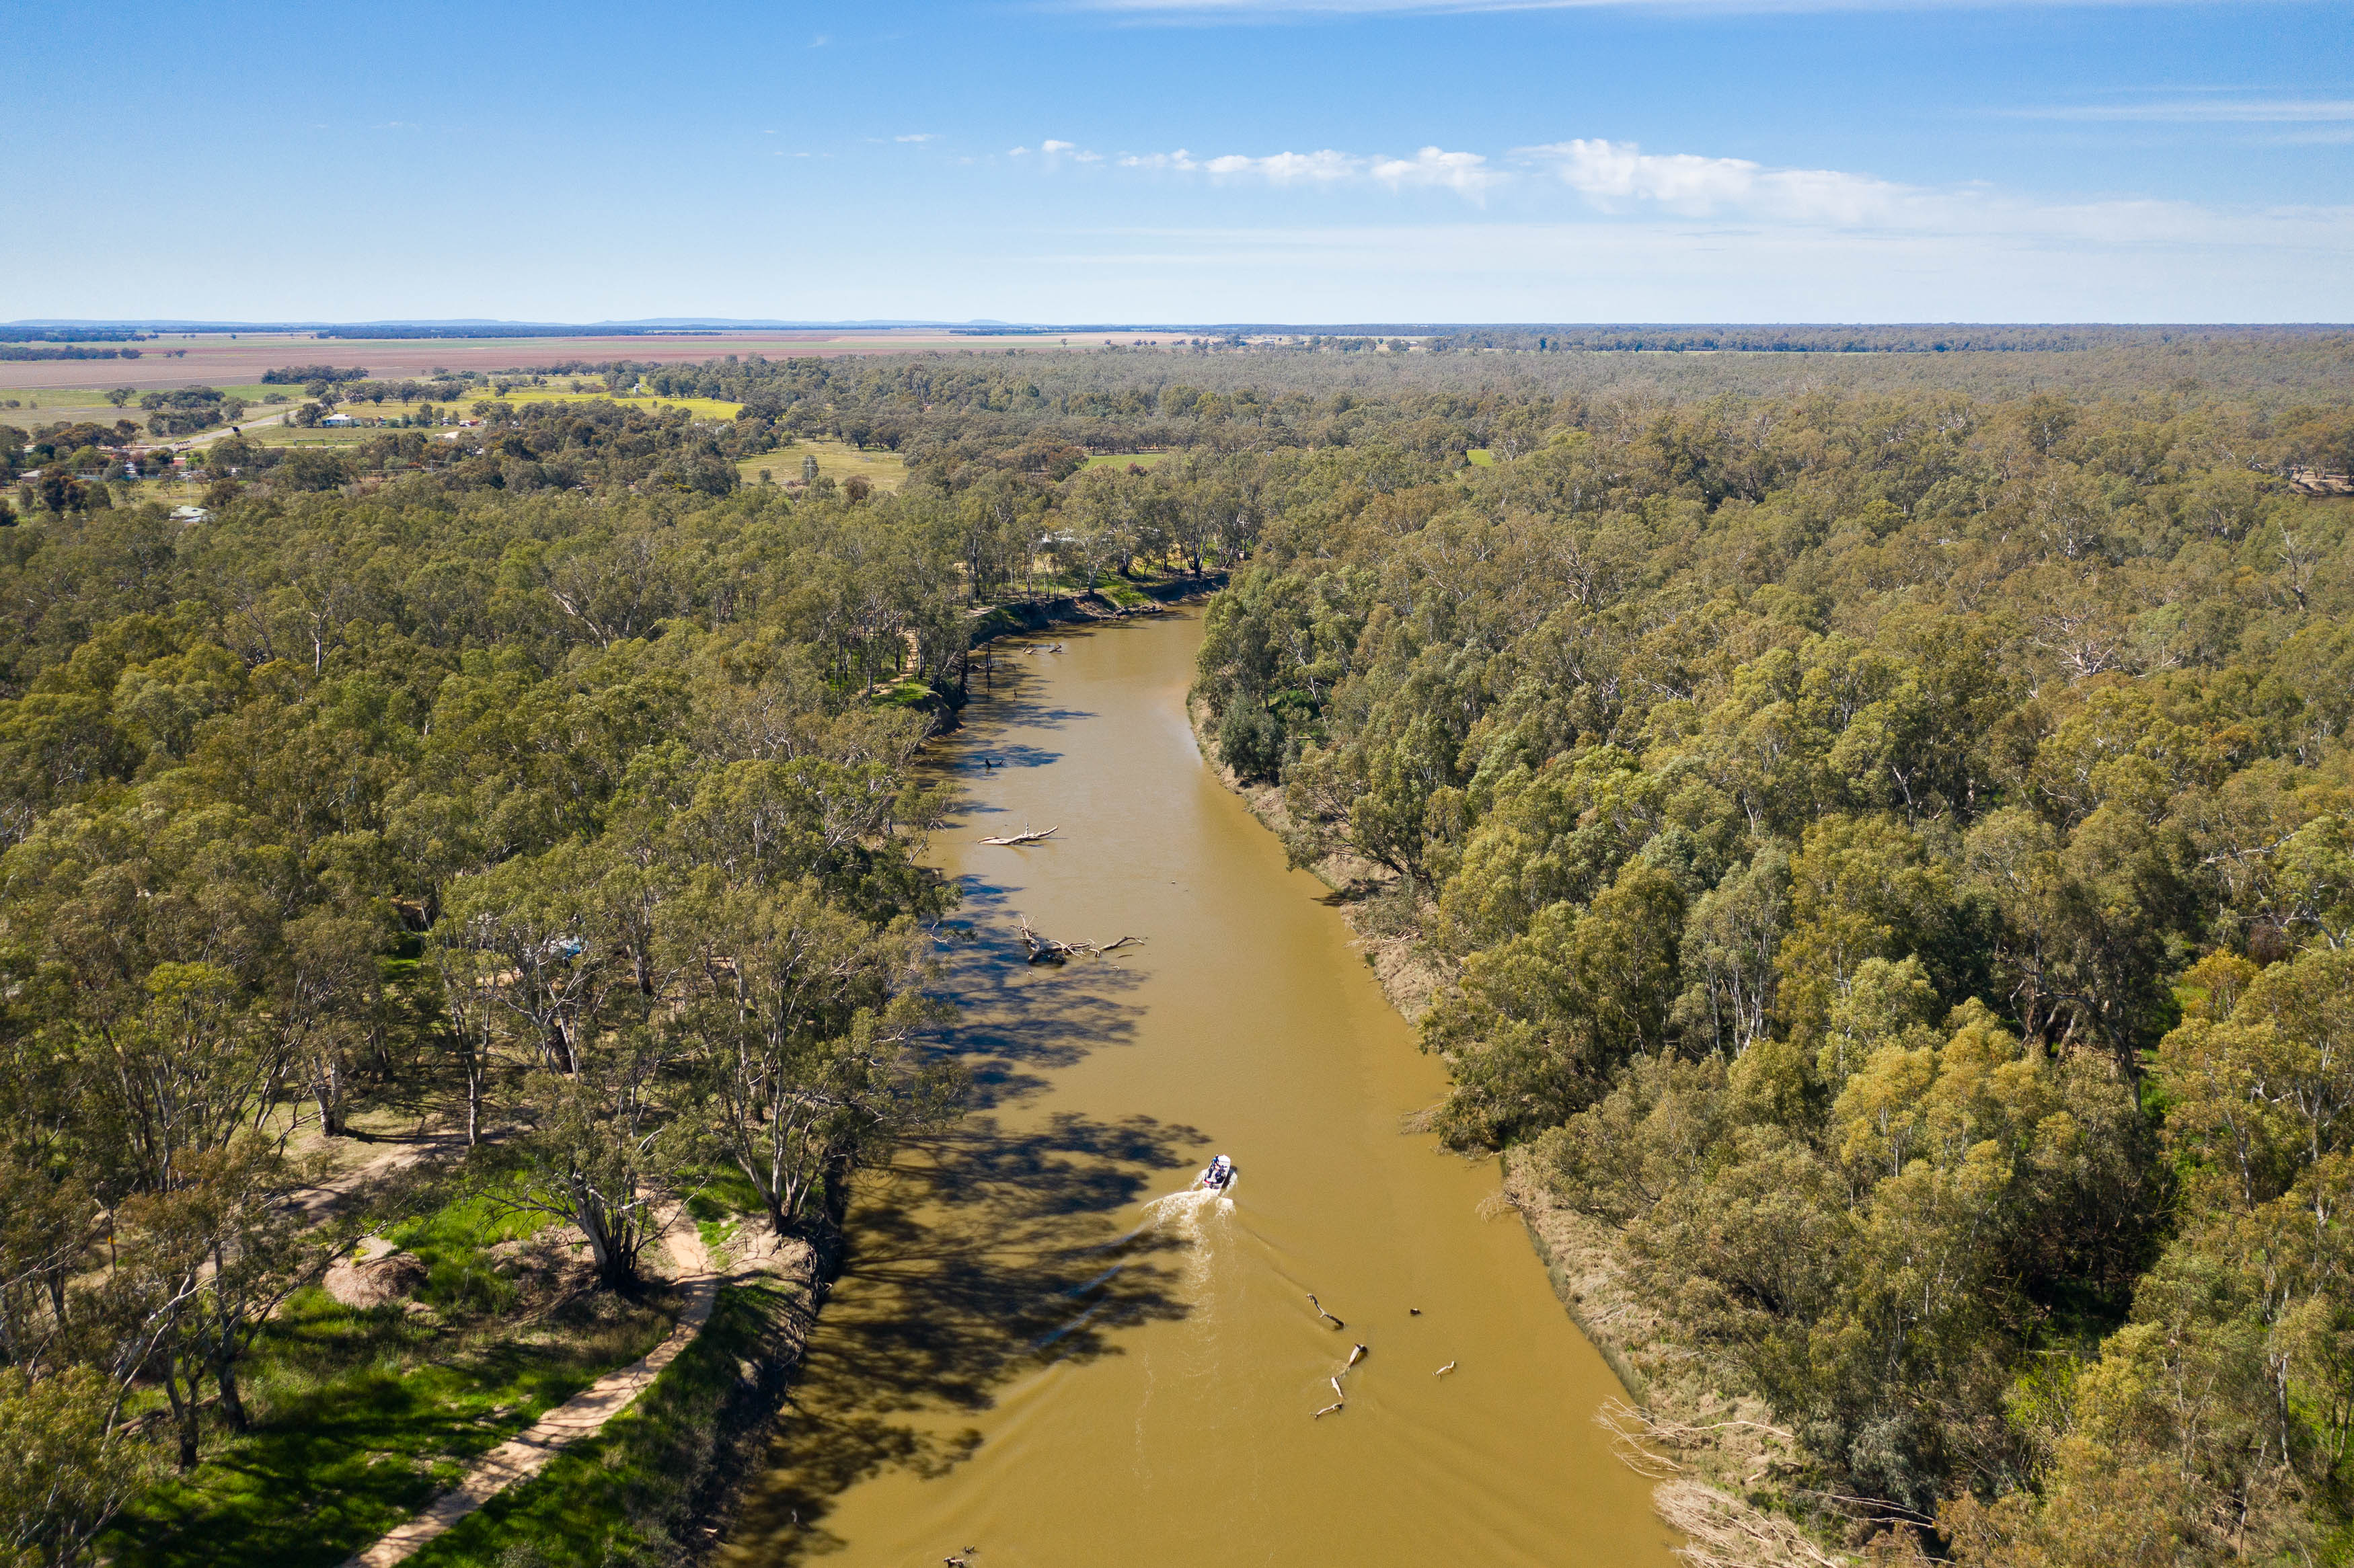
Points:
(1613, 173)
(2115, 261)
(1729, 198)
(1465, 172)
(2203, 110)
(918, 136)
(1276, 168)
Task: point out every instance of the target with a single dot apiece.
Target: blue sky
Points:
(1182, 160)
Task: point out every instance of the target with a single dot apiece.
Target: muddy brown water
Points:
(1031, 1364)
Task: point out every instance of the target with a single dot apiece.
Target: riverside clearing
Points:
(1032, 1362)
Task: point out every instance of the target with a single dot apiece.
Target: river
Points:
(1029, 1363)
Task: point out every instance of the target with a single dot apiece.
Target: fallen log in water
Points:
(1026, 836)
(1046, 950)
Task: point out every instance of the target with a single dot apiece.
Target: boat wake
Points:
(1196, 1217)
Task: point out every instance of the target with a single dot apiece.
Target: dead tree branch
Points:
(1046, 950)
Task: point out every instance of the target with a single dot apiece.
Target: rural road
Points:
(209, 437)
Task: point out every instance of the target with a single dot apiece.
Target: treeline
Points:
(70, 334)
(2284, 389)
(298, 374)
(1891, 859)
(501, 329)
(1949, 338)
(589, 445)
(22, 351)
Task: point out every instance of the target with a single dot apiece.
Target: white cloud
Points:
(1051, 146)
(1615, 173)
(1467, 172)
(918, 136)
(1315, 168)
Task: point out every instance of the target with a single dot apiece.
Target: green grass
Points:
(361, 1417)
(453, 1243)
(1142, 460)
(361, 1414)
(1480, 456)
(605, 1500)
(725, 1200)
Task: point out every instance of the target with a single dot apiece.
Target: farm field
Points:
(216, 359)
(1123, 460)
(836, 460)
(51, 406)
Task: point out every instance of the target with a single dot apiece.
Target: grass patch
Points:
(700, 407)
(361, 1417)
(1142, 460)
(623, 1495)
(454, 1243)
(1480, 456)
(836, 461)
(721, 1205)
(1121, 594)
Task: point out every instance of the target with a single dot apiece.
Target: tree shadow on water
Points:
(1017, 1021)
(975, 1259)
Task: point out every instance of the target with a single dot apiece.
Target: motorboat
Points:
(1215, 1178)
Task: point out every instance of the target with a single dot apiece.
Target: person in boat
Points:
(1221, 1171)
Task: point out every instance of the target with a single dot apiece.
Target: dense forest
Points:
(1883, 838)
(568, 815)
(1892, 857)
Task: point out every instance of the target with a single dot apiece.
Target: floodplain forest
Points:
(1872, 834)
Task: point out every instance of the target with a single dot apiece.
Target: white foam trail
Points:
(1185, 1214)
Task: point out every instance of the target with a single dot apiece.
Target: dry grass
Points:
(1721, 1532)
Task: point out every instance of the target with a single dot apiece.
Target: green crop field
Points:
(1122, 459)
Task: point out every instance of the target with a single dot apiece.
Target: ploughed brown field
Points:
(216, 359)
